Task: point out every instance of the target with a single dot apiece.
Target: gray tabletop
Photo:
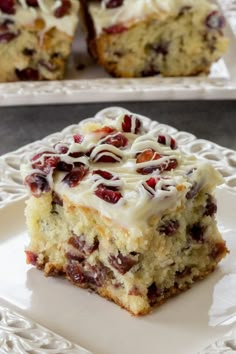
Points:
(211, 120)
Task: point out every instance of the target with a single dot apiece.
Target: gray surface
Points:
(211, 120)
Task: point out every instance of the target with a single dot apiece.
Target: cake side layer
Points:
(183, 39)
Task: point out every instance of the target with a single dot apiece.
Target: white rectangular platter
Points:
(92, 84)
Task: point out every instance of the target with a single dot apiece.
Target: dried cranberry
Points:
(63, 9)
(75, 257)
(122, 263)
(111, 4)
(37, 183)
(56, 199)
(78, 138)
(215, 21)
(184, 273)
(115, 29)
(196, 231)
(45, 163)
(74, 177)
(64, 166)
(104, 157)
(151, 155)
(75, 273)
(28, 74)
(169, 227)
(193, 191)
(167, 140)
(7, 6)
(32, 3)
(80, 244)
(153, 293)
(105, 174)
(60, 148)
(218, 251)
(160, 48)
(28, 52)
(211, 207)
(8, 37)
(131, 124)
(6, 24)
(135, 291)
(31, 257)
(147, 155)
(118, 140)
(108, 195)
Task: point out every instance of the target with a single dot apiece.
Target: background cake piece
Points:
(35, 38)
(144, 38)
(117, 208)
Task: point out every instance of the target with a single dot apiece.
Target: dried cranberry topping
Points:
(32, 3)
(80, 244)
(63, 9)
(107, 158)
(164, 140)
(74, 177)
(169, 227)
(215, 21)
(211, 207)
(105, 174)
(118, 140)
(151, 155)
(111, 4)
(45, 163)
(147, 155)
(115, 29)
(31, 257)
(7, 6)
(60, 148)
(64, 166)
(8, 37)
(108, 195)
(28, 74)
(37, 183)
(131, 124)
(196, 231)
(122, 263)
(153, 293)
(78, 138)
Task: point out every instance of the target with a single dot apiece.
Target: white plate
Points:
(94, 85)
(184, 325)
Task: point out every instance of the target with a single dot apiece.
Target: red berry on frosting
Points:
(167, 140)
(7, 6)
(131, 124)
(118, 140)
(147, 155)
(74, 177)
(105, 174)
(78, 138)
(32, 3)
(37, 184)
(108, 195)
(62, 9)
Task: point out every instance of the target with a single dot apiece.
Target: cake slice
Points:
(117, 208)
(144, 38)
(35, 38)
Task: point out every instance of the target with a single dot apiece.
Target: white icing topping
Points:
(141, 198)
(26, 15)
(131, 12)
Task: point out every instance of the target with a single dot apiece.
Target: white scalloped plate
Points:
(184, 325)
(93, 85)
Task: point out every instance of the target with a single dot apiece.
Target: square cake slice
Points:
(36, 38)
(145, 38)
(119, 209)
